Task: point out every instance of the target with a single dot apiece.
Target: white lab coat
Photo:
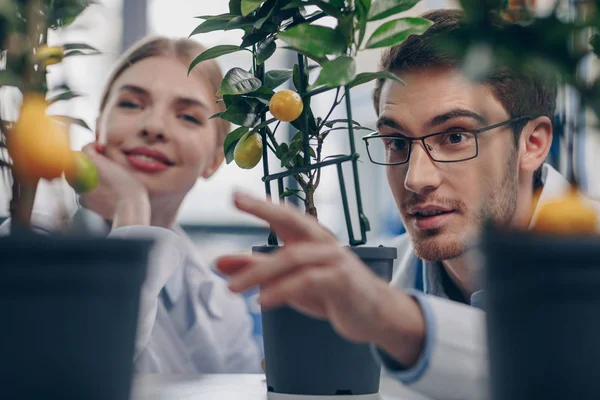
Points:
(454, 364)
(189, 321)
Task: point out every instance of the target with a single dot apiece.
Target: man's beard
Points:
(499, 206)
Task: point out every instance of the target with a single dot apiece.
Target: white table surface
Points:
(236, 387)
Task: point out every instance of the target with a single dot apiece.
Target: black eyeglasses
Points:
(446, 147)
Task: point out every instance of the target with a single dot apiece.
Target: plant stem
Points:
(23, 193)
(333, 106)
(309, 202)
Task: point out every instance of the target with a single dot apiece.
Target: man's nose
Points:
(423, 175)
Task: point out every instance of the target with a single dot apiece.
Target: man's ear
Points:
(218, 160)
(534, 143)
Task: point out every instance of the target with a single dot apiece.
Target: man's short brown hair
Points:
(519, 93)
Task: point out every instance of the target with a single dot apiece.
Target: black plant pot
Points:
(305, 356)
(543, 304)
(69, 316)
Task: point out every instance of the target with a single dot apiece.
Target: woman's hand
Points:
(119, 197)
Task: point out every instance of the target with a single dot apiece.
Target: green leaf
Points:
(263, 94)
(595, 43)
(263, 124)
(227, 16)
(79, 46)
(240, 113)
(72, 53)
(293, 4)
(362, 17)
(337, 72)
(281, 150)
(296, 77)
(229, 99)
(328, 8)
(337, 3)
(265, 49)
(287, 157)
(369, 76)
(235, 7)
(395, 32)
(314, 40)
(249, 6)
(63, 96)
(238, 81)
(265, 13)
(345, 27)
(239, 23)
(381, 9)
(253, 38)
(211, 25)
(214, 52)
(275, 78)
(289, 192)
(72, 121)
(232, 138)
(330, 124)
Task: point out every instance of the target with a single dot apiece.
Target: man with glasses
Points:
(456, 152)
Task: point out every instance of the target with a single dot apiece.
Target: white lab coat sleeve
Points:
(166, 255)
(453, 364)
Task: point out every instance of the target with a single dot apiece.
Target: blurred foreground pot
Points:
(69, 316)
(542, 296)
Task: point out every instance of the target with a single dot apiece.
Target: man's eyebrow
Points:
(456, 113)
(386, 121)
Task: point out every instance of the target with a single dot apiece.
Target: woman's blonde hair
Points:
(185, 50)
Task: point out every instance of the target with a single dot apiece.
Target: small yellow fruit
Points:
(83, 174)
(286, 105)
(566, 215)
(50, 55)
(248, 151)
(38, 145)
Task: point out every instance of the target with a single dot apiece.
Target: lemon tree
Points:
(38, 144)
(259, 103)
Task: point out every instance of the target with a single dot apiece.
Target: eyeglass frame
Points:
(475, 132)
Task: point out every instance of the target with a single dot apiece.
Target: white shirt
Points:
(189, 321)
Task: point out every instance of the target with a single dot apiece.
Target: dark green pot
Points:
(305, 356)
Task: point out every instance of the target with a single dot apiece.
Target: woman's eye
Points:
(190, 118)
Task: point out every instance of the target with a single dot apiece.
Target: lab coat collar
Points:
(204, 279)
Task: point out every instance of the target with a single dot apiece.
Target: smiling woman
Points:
(155, 139)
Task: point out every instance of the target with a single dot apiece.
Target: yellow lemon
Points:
(38, 145)
(286, 105)
(83, 174)
(566, 215)
(248, 151)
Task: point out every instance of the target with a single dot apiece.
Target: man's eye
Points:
(395, 144)
(455, 137)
